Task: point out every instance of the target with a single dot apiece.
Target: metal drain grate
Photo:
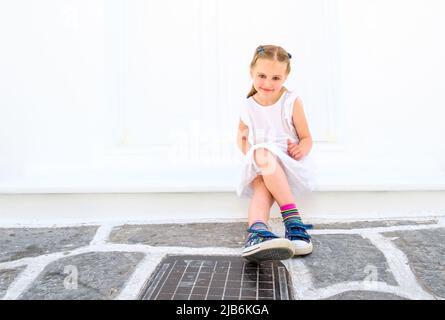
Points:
(217, 278)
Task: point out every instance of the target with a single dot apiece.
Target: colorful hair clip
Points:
(260, 49)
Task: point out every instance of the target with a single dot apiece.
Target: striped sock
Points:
(259, 225)
(289, 212)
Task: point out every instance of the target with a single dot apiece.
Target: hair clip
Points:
(260, 49)
(290, 56)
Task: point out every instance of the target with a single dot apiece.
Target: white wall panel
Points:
(179, 70)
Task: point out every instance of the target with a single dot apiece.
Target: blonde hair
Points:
(271, 52)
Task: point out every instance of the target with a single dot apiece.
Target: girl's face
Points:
(268, 77)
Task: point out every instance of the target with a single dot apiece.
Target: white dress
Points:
(269, 128)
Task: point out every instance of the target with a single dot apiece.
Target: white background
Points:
(144, 95)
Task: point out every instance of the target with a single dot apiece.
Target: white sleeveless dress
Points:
(269, 128)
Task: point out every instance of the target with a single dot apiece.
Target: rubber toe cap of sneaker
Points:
(302, 247)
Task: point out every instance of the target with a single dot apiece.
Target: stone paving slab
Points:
(425, 250)
(7, 276)
(89, 276)
(195, 235)
(18, 243)
(277, 225)
(230, 235)
(345, 257)
(340, 263)
(365, 295)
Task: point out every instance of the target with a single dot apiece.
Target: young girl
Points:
(274, 136)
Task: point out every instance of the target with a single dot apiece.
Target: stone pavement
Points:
(397, 259)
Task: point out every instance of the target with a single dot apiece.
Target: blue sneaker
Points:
(301, 240)
(262, 245)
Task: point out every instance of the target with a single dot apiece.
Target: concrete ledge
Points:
(188, 207)
(333, 174)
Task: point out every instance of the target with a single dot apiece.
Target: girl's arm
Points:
(242, 138)
(303, 148)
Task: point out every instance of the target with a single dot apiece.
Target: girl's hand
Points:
(297, 150)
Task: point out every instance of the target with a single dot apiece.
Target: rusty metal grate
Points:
(217, 278)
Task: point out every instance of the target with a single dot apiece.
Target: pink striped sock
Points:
(289, 212)
(288, 206)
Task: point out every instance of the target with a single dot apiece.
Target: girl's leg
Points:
(260, 245)
(274, 177)
(262, 201)
(276, 182)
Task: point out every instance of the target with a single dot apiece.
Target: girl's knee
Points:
(263, 153)
(260, 155)
(265, 160)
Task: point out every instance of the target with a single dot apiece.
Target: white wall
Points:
(392, 75)
(62, 129)
(51, 85)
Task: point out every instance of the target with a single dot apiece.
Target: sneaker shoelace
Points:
(297, 231)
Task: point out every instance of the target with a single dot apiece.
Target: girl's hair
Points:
(270, 52)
